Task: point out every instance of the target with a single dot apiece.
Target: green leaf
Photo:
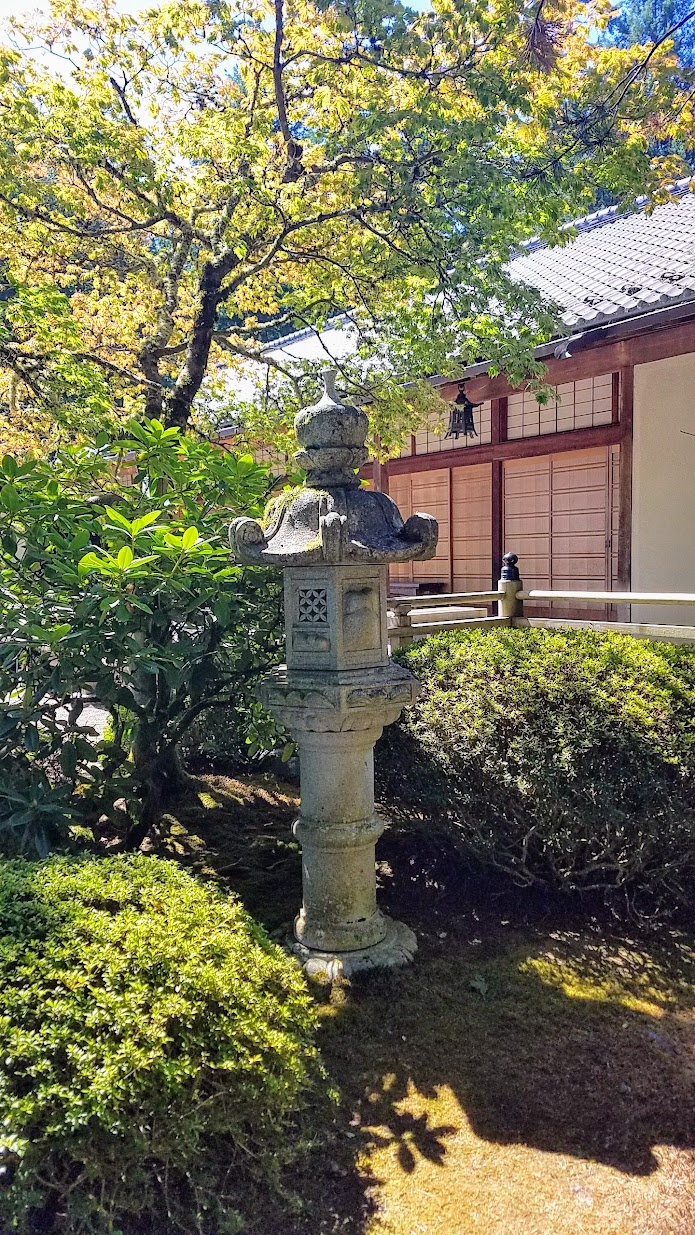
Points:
(124, 698)
(58, 632)
(10, 498)
(139, 433)
(189, 538)
(8, 724)
(287, 751)
(145, 521)
(85, 750)
(9, 467)
(90, 561)
(58, 541)
(80, 539)
(125, 557)
(221, 607)
(68, 759)
(479, 984)
(31, 739)
(41, 842)
(120, 520)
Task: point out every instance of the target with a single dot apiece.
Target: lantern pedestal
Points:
(335, 718)
(398, 947)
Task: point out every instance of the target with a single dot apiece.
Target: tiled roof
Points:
(618, 265)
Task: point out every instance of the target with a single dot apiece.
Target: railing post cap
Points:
(510, 571)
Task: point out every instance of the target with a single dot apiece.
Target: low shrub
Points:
(564, 759)
(155, 1046)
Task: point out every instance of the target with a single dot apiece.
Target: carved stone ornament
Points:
(338, 702)
(332, 519)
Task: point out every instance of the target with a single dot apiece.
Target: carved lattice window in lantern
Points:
(461, 420)
(313, 606)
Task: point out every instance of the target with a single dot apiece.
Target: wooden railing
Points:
(407, 624)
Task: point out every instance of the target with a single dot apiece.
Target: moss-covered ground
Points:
(532, 1074)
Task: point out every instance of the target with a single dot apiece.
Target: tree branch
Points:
(29, 212)
(262, 358)
(294, 168)
(120, 91)
(109, 367)
(191, 377)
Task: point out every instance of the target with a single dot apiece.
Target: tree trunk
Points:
(161, 778)
(178, 404)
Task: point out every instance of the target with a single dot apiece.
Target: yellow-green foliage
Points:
(563, 758)
(155, 1047)
(162, 218)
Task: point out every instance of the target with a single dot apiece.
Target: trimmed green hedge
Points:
(564, 759)
(154, 1048)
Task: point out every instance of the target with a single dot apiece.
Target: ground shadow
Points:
(527, 1064)
(240, 832)
(552, 1028)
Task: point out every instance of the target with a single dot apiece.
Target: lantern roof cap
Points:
(332, 518)
(332, 436)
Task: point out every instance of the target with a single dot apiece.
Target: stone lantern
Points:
(334, 539)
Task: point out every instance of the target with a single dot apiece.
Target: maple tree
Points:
(178, 186)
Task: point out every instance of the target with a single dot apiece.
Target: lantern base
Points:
(398, 947)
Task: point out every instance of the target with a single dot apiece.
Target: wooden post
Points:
(498, 435)
(508, 606)
(450, 475)
(626, 391)
(497, 488)
(402, 630)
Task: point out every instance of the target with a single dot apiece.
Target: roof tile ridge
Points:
(607, 214)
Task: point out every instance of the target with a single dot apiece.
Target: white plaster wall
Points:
(663, 485)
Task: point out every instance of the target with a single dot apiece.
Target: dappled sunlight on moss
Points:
(537, 1083)
(624, 975)
(240, 833)
(208, 802)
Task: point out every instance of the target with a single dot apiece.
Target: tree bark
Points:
(154, 393)
(161, 778)
(178, 404)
